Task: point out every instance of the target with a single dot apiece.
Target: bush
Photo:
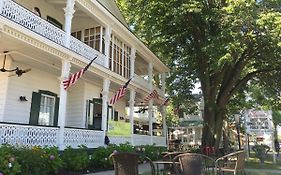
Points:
(76, 159)
(8, 161)
(261, 151)
(53, 160)
(32, 161)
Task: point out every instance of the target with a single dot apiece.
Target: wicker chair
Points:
(194, 164)
(167, 161)
(127, 163)
(233, 162)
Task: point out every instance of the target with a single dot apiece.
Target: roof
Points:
(111, 6)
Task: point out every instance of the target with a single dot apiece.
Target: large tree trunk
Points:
(213, 124)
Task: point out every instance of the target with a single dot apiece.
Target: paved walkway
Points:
(142, 169)
(146, 167)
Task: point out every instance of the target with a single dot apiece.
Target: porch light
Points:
(18, 71)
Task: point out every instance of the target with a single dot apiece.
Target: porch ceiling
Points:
(24, 53)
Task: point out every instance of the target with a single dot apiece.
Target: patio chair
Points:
(167, 162)
(127, 163)
(233, 163)
(194, 164)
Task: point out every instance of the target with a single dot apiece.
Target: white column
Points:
(2, 2)
(68, 14)
(150, 103)
(131, 115)
(63, 101)
(107, 39)
(106, 83)
(133, 58)
(163, 88)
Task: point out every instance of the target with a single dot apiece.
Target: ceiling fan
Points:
(17, 71)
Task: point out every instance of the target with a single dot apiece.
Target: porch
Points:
(28, 135)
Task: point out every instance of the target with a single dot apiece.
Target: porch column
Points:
(62, 104)
(163, 88)
(133, 58)
(150, 103)
(106, 83)
(68, 14)
(131, 105)
(107, 39)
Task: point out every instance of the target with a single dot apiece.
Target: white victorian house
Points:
(56, 38)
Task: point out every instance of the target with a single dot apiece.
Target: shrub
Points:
(76, 159)
(53, 160)
(261, 151)
(32, 161)
(8, 161)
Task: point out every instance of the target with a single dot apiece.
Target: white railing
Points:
(159, 141)
(120, 139)
(25, 135)
(16, 13)
(141, 81)
(86, 51)
(28, 19)
(141, 140)
(90, 138)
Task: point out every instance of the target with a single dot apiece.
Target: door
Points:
(94, 114)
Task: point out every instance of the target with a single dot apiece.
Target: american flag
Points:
(74, 77)
(120, 93)
(166, 102)
(152, 95)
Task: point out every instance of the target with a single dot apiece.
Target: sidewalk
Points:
(146, 167)
(142, 169)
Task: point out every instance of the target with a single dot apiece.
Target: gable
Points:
(111, 6)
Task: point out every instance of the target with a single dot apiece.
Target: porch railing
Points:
(22, 16)
(75, 137)
(26, 135)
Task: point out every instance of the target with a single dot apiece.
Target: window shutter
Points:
(56, 115)
(35, 108)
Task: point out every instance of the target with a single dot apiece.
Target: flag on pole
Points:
(166, 102)
(120, 93)
(74, 77)
(152, 95)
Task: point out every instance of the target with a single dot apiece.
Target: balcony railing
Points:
(24, 17)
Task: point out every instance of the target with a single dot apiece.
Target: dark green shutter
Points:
(56, 114)
(35, 108)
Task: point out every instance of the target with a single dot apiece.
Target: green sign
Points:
(119, 128)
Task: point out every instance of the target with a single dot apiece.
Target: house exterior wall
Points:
(76, 106)
(17, 111)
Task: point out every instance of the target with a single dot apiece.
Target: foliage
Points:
(76, 159)
(261, 151)
(52, 159)
(225, 45)
(32, 161)
(8, 160)
(151, 151)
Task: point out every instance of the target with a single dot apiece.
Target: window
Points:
(47, 110)
(92, 37)
(44, 108)
(54, 22)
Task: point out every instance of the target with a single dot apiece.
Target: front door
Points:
(94, 114)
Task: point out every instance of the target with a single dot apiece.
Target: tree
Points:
(223, 44)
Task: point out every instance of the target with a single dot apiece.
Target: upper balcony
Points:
(88, 35)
